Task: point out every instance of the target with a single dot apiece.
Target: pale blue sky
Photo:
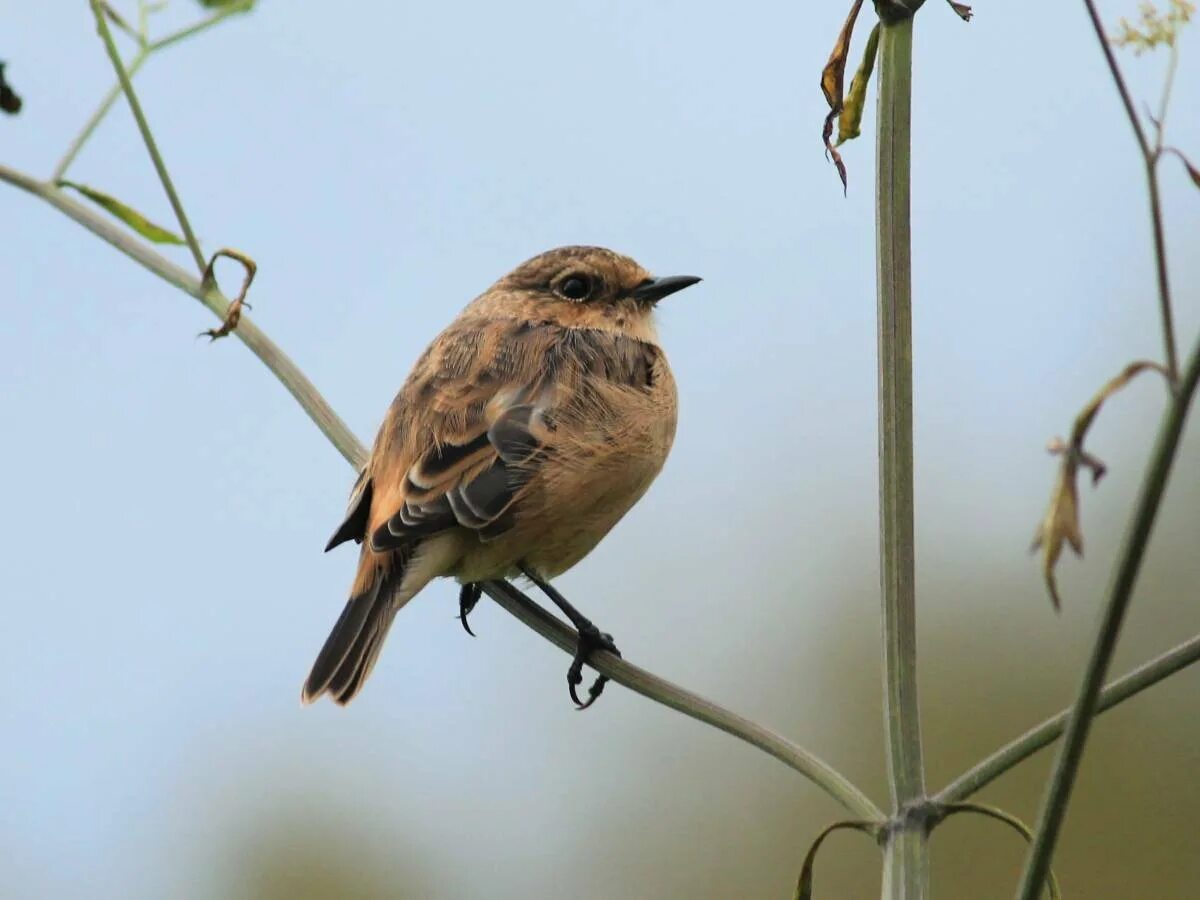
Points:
(166, 501)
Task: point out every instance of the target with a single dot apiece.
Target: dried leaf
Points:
(850, 121)
(1088, 415)
(1060, 524)
(10, 101)
(1008, 819)
(126, 214)
(233, 315)
(804, 886)
(833, 78)
(1192, 171)
(964, 11)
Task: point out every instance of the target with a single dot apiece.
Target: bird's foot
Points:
(591, 639)
(467, 598)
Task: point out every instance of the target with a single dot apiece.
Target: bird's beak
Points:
(656, 288)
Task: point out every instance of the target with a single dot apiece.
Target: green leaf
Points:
(850, 120)
(126, 214)
(218, 4)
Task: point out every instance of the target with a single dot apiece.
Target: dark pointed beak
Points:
(656, 288)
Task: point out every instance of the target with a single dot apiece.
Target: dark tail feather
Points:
(352, 646)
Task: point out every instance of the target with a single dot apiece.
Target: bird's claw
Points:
(467, 598)
(591, 639)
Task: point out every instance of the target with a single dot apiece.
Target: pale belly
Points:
(567, 511)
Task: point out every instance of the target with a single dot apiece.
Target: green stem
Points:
(145, 51)
(203, 25)
(1120, 593)
(97, 117)
(906, 865)
(147, 135)
(508, 597)
(1045, 734)
(1160, 270)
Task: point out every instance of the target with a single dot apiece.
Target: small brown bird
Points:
(524, 433)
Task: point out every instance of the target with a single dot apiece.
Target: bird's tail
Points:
(353, 645)
(385, 583)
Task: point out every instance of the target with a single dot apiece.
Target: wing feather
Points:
(474, 421)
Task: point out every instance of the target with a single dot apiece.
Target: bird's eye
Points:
(575, 287)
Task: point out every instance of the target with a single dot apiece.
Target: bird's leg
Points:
(591, 639)
(467, 598)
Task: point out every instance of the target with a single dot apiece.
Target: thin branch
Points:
(144, 52)
(97, 117)
(1160, 123)
(906, 866)
(1160, 270)
(147, 136)
(507, 596)
(1120, 593)
(1041, 736)
(1118, 79)
(690, 704)
(1150, 156)
(137, 35)
(203, 25)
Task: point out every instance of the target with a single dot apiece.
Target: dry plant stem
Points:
(1120, 593)
(1150, 156)
(1045, 734)
(147, 136)
(906, 868)
(507, 596)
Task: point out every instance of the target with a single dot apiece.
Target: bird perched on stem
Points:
(524, 433)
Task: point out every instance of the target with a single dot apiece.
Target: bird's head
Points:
(585, 287)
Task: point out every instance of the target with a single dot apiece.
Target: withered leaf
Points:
(10, 100)
(964, 12)
(1060, 524)
(126, 214)
(850, 121)
(804, 886)
(1193, 172)
(1088, 414)
(233, 315)
(1000, 815)
(833, 78)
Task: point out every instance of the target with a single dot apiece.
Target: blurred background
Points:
(166, 501)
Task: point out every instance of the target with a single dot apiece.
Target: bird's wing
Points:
(486, 403)
(462, 436)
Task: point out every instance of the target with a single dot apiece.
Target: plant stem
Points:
(97, 117)
(144, 52)
(1160, 271)
(508, 597)
(906, 866)
(202, 25)
(1150, 155)
(1045, 734)
(147, 135)
(1120, 593)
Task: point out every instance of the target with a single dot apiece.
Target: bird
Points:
(526, 430)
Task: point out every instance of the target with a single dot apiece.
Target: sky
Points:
(383, 163)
